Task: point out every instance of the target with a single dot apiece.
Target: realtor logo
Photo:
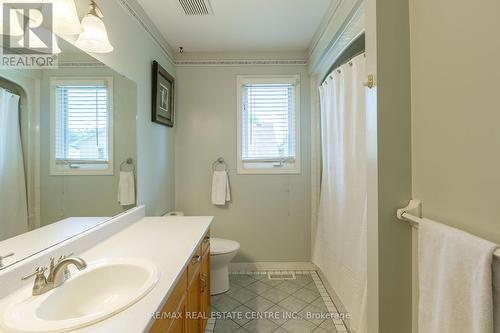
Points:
(28, 40)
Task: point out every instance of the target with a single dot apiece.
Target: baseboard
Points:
(341, 308)
(271, 266)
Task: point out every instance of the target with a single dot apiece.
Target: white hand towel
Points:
(496, 294)
(455, 280)
(221, 192)
(126, 188)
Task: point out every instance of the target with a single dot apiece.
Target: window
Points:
(81, 126)
(268, 124)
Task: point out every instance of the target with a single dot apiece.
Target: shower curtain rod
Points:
(348, 61)
(10, 91)
(354, 49)
(404, 214)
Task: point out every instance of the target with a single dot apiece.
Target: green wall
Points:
(394, 164)
(134, 51)
(73, 196)
(267, 211)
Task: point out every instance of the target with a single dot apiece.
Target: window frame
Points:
(84, 168)
(273, 166)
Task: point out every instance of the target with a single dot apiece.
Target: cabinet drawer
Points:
(173, 305)
(194, 265)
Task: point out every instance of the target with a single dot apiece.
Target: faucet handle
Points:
(39, 272)
(40, 285)
(66, 275)
(64, 256)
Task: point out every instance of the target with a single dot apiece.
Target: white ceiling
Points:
(239, 25)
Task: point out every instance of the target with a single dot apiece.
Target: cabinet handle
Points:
(196, 259)
(203, 277)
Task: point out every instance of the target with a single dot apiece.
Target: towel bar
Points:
(219, 161)
(128, 161)
(415, 205)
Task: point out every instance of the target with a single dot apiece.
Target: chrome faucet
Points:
(58, 274)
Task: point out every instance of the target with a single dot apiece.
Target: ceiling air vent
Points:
(196, 7)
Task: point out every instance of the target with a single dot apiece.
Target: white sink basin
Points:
(100, 291)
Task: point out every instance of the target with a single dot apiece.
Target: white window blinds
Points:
(82, 123)
(268, 122)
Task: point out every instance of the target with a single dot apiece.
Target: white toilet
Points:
(222, 251)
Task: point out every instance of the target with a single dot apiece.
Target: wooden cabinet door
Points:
(205, 289)
(188, 307)
(173, 309)
(179, 324)
(193, 306)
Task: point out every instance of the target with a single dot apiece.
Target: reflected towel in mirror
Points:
(126, 188)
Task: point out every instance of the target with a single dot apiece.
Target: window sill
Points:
(250, 168)
(82, 170)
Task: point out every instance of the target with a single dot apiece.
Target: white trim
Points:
(81, 63)
(326, 21)
(315, 146)
(246, 168)
(272, 266)
(241, 62)
(346, 23)
(331, 300)
(63, 170)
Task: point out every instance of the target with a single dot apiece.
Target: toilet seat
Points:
(223, 246)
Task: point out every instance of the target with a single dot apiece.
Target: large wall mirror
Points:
(67, 151)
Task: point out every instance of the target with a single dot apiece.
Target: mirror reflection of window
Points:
(82, 126)
(75, 132)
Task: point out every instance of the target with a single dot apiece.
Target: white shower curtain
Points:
(13, 202)
(340, 246)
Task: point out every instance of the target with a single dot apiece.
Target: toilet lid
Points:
(222, 246)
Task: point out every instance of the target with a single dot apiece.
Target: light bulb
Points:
(66, 21)
(64, 16)
(94, 37)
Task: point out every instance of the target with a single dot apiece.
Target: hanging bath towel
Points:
(455, 280)
(126, 188)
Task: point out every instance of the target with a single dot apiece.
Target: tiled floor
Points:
(257, 304)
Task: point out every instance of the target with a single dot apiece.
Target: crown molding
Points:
(80, 64)
(343, 25)
(242, 62)
(325, 22)
(144, 21)
(136, 12)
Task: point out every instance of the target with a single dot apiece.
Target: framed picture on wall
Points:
(163, 96)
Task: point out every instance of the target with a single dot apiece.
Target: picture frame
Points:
(163, 96)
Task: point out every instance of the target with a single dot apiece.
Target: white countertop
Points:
(169, 243)
(37, 240)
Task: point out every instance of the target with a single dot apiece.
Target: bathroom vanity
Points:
(153, 272)
(188, 307)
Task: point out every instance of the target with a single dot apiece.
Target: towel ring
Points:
(129, 162)
(219, 161)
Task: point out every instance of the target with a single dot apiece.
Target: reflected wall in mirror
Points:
(65, 137)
